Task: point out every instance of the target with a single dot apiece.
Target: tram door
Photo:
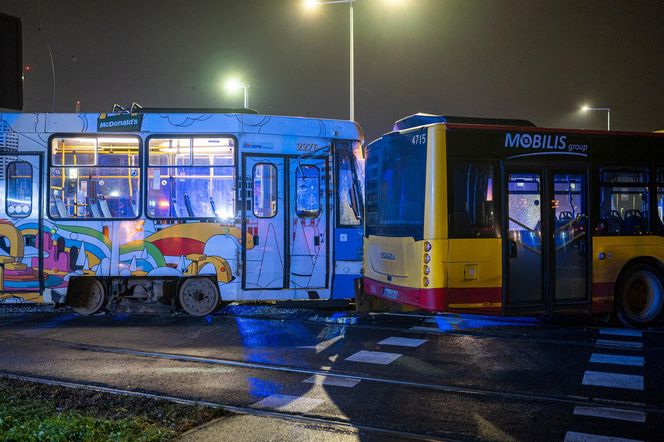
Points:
(21, 228)
(265, 217)
(286, 218)
(546, 241)
(308, 224)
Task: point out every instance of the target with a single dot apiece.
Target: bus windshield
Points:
(395, 182)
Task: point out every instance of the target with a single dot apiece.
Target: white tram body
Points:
(121, 210)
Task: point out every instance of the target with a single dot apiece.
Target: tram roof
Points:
(208, 121)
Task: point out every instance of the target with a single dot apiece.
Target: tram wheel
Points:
(96, 298)
(198, 296)
(640, 301)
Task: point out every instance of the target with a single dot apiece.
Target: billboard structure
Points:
(11, 63)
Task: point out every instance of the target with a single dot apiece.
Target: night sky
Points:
(538, 60)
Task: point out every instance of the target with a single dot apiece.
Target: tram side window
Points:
(94, 177)
(623, 197)
(18, 203)
(307, 182)
(265, 190)
(191, 177)
(350, 178)
(472, 210)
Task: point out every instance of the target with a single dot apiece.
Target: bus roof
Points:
(182, 122)
(421, 119)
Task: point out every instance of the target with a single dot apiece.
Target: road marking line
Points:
(619, 344)
(331, 380)
(573, 436)
(374, 357)
(611, 413)
(284, 402)
(613, 380)
(322, 346)
(621, 332)
(601, 358)
(402, 342)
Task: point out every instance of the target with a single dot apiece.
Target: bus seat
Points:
(103, 207)
(566, 216)
(634, 222)
(614, 222)
(187, 205)
(60, 206)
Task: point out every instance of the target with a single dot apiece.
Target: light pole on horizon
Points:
(234, 84)
(603, 109)
(310, 4)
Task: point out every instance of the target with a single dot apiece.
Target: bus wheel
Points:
(198, 296)
(641, 296)
(96, 294)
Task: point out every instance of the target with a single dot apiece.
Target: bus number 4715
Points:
(419, 139)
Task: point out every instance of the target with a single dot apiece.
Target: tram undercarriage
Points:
(196, 295)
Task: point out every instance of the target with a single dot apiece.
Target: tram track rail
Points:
(339, 424)
(329, 372)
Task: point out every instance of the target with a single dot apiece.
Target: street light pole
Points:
(246, 95)
(352, 66)
(603, 109)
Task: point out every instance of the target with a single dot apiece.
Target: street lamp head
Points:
(311, 4)
(233, 84)
(585, 108)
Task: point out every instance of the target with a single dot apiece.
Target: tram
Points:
(157, 209)
(502, 217)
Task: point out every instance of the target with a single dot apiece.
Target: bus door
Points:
(21, 228)
(546, 242)
(265, 216)
(308, 227)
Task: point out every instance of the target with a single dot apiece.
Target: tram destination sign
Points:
(119, 123)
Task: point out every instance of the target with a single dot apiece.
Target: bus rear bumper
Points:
(483, 299)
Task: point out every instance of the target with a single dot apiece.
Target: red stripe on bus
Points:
(602, 297)
(438, 299)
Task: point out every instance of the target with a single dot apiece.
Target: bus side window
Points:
(472, 207)
(623, 196)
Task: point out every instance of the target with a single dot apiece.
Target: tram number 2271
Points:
(307, 147)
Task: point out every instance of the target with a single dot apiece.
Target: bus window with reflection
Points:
(191, 177)
(472, 205)
(623, 196)
(94, 177)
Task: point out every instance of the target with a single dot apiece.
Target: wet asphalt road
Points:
(449, 376)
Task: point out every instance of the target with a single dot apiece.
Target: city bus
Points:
(503, 217)
(160, 209)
